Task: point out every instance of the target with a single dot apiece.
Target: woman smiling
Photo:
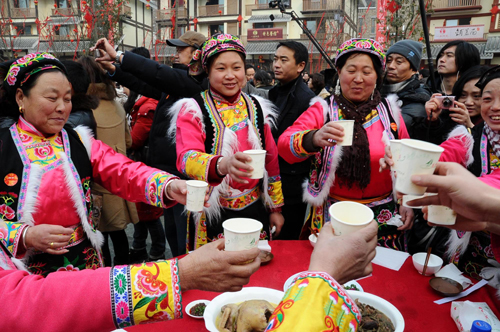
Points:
(47, 170)
(350, 173)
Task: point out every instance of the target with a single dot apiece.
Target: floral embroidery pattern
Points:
(121, 301)
(155, 187)
(6, 212)
(296, 144)
(384, 216)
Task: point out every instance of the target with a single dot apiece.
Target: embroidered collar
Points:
(28, 127)
(220, 99)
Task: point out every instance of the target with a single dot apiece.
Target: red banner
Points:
(381, 36)
(265, 34)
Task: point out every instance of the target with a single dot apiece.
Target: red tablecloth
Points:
(406, 289)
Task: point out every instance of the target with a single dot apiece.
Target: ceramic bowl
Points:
(434, 265)
(192, 304)
(249, 293)
(382, 305)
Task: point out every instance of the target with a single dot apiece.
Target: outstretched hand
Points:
(48, 238)
(345, 257)
(212, 269)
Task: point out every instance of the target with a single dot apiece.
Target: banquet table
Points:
(406, 289)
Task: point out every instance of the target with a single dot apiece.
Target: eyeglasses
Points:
(489, 75)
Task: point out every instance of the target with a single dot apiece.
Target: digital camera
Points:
(445, 102)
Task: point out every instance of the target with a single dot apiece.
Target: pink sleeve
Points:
(492, 179)
(90, 300)
(128, 179)
(290, 142)
(454, 151)
(63, 301)
(192, 159)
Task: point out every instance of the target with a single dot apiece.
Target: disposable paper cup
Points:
(348, 126)
(417, 158)
(440, 214)
(349, 217)
(395, 145)
(258, 163)
(241, 233)
(407, 198)
(196, 191)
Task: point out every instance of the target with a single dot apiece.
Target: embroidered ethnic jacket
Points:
(47, 181)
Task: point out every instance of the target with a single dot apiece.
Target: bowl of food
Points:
(220, 311)
(196, 309)
(313, 239)
(434, 264)
(377, 312)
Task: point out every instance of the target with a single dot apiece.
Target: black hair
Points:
(318, 82)
(96, 74)
(473, 73)
(211, 60)
(300, 53)
(248, 66)
(425, 72)
(375, 60)
(77, 76)
(142, 51)
(466, 55)
(263, 77)
(10, 108)
(271, 73)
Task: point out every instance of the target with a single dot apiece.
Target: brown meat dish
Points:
(248, 316)
(373, 320)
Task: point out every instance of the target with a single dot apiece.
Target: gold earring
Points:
(21, 109)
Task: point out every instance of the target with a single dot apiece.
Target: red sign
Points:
(265, 34)
(382, 20)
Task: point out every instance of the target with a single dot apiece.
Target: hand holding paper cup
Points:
(348, 126)
(439, 214)
(195, 198)
(417, 157)
(395, 145)
(349, 217)
(258, 163)
(241, 233)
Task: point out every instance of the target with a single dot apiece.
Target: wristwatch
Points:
(117, 58)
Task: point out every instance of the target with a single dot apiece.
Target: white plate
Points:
(383, 305)
(249, 293)
(192, 304)
(288, 283)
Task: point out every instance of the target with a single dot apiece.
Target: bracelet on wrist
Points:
(217, 170)
(25, 230)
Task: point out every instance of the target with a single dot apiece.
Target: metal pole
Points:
(427, 44)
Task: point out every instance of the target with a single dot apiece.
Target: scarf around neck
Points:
(355, 165)
(494, 139)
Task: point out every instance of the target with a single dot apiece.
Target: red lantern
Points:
(494, 10)
(71, 40)
(55, 5)
(36, 2)
(240, 18)
(84, 3)
(220, 12)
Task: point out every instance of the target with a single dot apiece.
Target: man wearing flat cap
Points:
(401, 78)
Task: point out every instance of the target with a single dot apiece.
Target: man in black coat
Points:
(291, 96)
(168, 85)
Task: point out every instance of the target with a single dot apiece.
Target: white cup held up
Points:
(258, 163)
(195, 198)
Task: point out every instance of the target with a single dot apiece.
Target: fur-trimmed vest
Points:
(21, 179)
(323, 168)
(221, 140)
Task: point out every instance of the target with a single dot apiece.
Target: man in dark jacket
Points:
(291, 96)
(167, 84)
(402, 64)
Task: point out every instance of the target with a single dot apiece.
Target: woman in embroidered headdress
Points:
(350, 173)
(46, 170)
(212, 129)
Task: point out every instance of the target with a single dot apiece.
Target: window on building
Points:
(216, 28)
(23, 30)
(21, 4)
(311, 25)
(373, 27)
(263, 25)
(361, 23)
(464, 21)
(451, 23)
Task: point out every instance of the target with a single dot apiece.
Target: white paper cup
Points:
(417, 157)
(196, 191)
(395, 145)
(258, 163)
(348, 126)
(407, 198)
(348, 217)
(440, 214)
(241, 233)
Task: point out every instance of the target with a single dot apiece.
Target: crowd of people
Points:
(79, 165)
